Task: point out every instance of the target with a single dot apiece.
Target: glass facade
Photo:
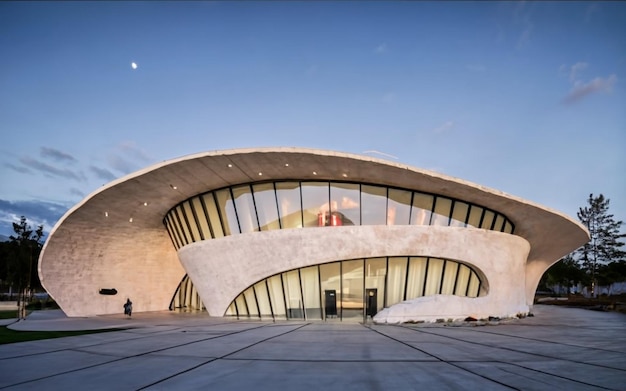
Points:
(283, 205)
(354, 288)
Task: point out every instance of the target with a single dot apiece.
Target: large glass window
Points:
(422, 209)
(449, 277)
(352, 288)
(263, 299)
(396, 279)
(265, 200)
(293, 295)
(399, 207)
(203, 222)
(374, 205)
(214, 217)
(441, 215)
(488, 218)
(227, 211)
(311, 292)
(315, 207)
(289, 205)
(459, 214)
(191, 219)
(246, 212)
(345, 207)
(416, 277)
(277, 297)
(476, 213)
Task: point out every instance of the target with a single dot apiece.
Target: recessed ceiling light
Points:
(260, 173)
(344, 175)
(314, 172)
(230, 165)
(130, 220)
(106, 214)
(173, 187)
(145, 204)
(286, 164)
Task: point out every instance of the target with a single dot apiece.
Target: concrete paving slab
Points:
(559, 348)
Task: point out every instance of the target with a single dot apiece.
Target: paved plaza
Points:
(557, 349)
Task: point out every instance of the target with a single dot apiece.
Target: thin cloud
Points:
(120, 164)
(20, 169)
(521, 18)
(131, 150)
(373, 151)
(52, 170)
(102, 173)
(77, 192)
(582, 90)
(445, 127)
(576, 69)
(56, 155)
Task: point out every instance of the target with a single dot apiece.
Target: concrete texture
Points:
(558, 349)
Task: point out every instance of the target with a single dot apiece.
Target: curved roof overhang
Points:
(147, 195)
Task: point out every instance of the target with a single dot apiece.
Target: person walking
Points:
(128, 307)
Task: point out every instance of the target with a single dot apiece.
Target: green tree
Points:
(21, 258)
(604, 244)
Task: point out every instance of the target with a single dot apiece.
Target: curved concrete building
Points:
(292, 233)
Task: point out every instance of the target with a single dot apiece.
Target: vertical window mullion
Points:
(303, 305)
(426, 276)
(280, 223)
(232, 199)
(452, 205)
(443, 273)
(269, 299)
(456, 278)
(195, 217)
(432, 212)
(387, 278)
(206, 215)
(406, 278)
(256, 212)
(184, 213)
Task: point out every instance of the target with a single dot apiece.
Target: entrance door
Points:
(371, 296)
(330, 304)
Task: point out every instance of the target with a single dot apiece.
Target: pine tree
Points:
(604, 244)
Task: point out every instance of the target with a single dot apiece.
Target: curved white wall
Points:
(221, 269)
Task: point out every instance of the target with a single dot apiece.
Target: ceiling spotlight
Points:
(230, 165)
(286, 164)
(130, 220)
(314, 172)
(344, 175)
(145, 204)
(260, 173)
(106, 214)
(173, 187)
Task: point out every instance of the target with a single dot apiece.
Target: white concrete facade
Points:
(221, 269)
(115, 238)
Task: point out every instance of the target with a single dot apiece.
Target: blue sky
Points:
(527, 98)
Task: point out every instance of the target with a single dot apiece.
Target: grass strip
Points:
(11, 336)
